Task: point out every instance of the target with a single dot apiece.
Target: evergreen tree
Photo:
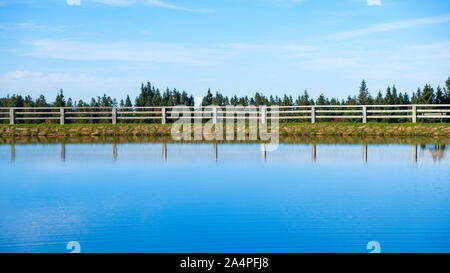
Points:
(417, 97)
(287, 101)
(234, 100)
(447, 91)
(388, 99)
(447, 83)
(427, 94)
(322, 100)
(440, 98)
(351, 100)
(363, 97)
(208, 99)
(60, 101)
(334, 101)
(128, 102)
(81, 103)
(304, 99)
(41, 102)
(406, 99)
(184, 98)
(395, 98)
(379, 100)
(28, 101)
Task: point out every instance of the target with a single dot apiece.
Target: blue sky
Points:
(91, 47)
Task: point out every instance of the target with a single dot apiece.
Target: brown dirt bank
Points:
(436, 130)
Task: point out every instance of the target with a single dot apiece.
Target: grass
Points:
(71, 125)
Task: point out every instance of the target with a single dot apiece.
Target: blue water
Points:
(224, 198)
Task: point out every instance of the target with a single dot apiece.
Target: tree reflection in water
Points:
(437, 151)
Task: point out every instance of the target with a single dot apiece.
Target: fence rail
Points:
(162, 114)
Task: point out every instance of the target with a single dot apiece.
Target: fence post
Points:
(61, 116)
(163, 113)
(114, 115)
(414, 114)
(11, 116)
(313, 114)
(214, 114)
(364, 110)
(263, 114)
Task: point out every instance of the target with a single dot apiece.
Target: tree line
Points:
(151, 96)
(426, 95)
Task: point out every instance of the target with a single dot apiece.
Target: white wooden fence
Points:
(163, 114)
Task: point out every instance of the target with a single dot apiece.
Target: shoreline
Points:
(419, 140)
(441, 130)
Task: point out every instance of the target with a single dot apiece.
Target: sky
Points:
(92, 47)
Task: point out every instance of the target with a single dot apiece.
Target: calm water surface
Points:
(224, 198)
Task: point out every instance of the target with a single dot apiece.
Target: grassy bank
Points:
(286, 129)
(420, 140)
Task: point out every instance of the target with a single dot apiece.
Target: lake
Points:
(225, 197)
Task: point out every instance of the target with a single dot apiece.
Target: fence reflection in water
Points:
(437, 151)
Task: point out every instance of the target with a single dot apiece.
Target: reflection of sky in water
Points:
(230, 200)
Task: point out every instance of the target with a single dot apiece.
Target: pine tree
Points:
(403, 98)
(351, 100)
(395, 98)
(439, 99)
(60, 101)
(304, 99)
(417, 97)
(41, 102)
(234, 100)
(322, 100)
(447, 91)
(406, 99)
(157, 100)
(427, 94)
(363, 97)
(208, 99)
(388, 99)
(379, 99)
(128, 102)
(447, 83)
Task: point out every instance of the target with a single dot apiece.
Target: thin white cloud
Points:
(158, 3)
(124, 51)
(389, 27)
(76, 85)
(31, 27)
(287, 3)
(337, 63)
(153, 3)
(269, 47)
(157, 52)
(373, 2)
(405, 63)
(291, 1)
(119, 3)
(73, 2)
